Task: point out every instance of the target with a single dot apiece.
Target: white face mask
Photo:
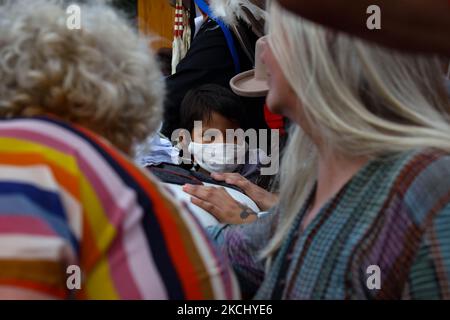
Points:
(218, 157)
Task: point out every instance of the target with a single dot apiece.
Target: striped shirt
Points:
(69, 198)
(390, 222)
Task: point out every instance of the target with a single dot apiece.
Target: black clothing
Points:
(174, 174)
(208, 61)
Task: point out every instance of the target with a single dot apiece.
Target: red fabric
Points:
(274, 121)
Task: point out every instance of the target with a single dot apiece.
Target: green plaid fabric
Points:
(394, 215)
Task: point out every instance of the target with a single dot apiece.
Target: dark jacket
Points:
(175, 174)
(208, 61)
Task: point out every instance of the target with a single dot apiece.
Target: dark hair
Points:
(201, 102)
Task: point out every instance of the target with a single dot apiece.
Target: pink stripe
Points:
(212, 254)
(120, 272)
(15, 224)
(140, 261)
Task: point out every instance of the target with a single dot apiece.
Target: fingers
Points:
(220, 176)
(207, 199)
(201, 197)
(216, 201)
(225, 176)
(201, 192)
(207, 206)
(240, 182)
(234, 179)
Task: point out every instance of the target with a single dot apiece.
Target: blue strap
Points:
(228, 36)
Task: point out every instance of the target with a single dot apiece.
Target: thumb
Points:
(244, 184)
(218, 176)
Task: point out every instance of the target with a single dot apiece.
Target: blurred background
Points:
(151, 17)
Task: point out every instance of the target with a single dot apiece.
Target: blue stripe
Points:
(427, 188)
(47, 200)
(21, 205)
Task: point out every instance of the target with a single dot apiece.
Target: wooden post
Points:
(156, 17)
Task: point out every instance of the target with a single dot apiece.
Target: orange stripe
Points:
(89, 261)
(68, 181)
(60, 293)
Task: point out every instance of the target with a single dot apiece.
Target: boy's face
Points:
(217, 122)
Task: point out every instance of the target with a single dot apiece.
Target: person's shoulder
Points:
(405, 168)
(46, 127)
(429, 166)
(210, 35)
(29, 123)
(424, 183)
(40, 135)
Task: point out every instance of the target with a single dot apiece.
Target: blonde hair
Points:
(362, 100)
(103, 76)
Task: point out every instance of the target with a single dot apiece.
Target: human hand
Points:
(263, 199)
(220, 204)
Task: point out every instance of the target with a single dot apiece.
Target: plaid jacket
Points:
(391, 222)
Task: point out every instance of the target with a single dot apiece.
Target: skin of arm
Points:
(263, 199)
(219, 203)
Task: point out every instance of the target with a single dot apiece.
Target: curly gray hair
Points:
(103, 76)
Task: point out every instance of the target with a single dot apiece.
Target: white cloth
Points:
(206, 219)
(156, 150)
(199, 21)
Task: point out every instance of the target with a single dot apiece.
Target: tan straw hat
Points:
(253, 83)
